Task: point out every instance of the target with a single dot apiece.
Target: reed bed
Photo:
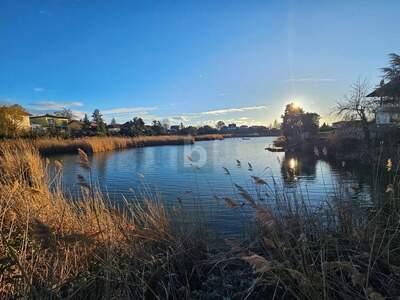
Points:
(208, 137)
(102, 144)
(341, 249)
(52, 246)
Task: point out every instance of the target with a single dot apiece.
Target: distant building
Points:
(50, 122)
(114, 129)
(348, 129)
(388, 112)
(174, 128)
(75, 127)
(17, 116)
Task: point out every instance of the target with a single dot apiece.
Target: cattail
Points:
(82, 182)
(58, 165)
(250, 166)
(389, 165)
(258, 180)
(230, 202)
(389, 188)
(246, 196)
(83, 159)
(226, 171)
(265, 217)
(259, 263)
(238, 163)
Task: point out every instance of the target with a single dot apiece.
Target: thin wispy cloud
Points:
(54, 105)
(126, 110)
(228, 115)
(310, 79)
(38, 89)
(232, 110)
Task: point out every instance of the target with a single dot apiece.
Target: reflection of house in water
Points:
(293, 166)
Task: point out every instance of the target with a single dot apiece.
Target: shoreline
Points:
(49, 146)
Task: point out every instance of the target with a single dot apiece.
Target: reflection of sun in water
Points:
(293, 164)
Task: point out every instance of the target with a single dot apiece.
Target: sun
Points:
(295, 105)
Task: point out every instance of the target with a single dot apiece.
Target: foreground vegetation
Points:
(53, 246)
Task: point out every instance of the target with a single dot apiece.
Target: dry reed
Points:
(55, 247)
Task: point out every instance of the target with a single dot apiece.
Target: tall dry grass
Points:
(343, 249)
(103, 144)
(52, 246)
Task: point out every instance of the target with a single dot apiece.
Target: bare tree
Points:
(356, 105)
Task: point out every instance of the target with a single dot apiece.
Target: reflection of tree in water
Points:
(295, 165)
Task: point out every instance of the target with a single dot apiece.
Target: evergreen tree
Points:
(86, 123)
(101, 128)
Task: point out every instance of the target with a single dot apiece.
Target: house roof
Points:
(24, 113)
(75, 121)
(390, 89)
(114, 126)
(48, 116)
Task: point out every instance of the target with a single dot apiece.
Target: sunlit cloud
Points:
(232, 110)
(228, 115)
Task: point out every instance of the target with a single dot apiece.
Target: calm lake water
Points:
(167, 173)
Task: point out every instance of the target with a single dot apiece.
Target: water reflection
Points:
(163, 171)
(294, 166)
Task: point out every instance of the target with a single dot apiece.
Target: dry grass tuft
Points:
(55, 247)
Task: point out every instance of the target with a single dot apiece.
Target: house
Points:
(388, 112)
(114, 129)
(174, 128)
(50, 122)
(24, 122)
(348, 129)
(75, 127)
(15, 118)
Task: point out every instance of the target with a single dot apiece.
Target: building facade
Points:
(50, 122)
(388, 97)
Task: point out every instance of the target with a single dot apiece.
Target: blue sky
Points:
(191, 61)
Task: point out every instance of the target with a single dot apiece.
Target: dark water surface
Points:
(167, 172)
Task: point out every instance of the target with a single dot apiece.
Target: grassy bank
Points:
(103, 144)
(52, 246)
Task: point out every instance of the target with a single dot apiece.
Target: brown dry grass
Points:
(54, 247)
(103, 144)
(343, 249)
